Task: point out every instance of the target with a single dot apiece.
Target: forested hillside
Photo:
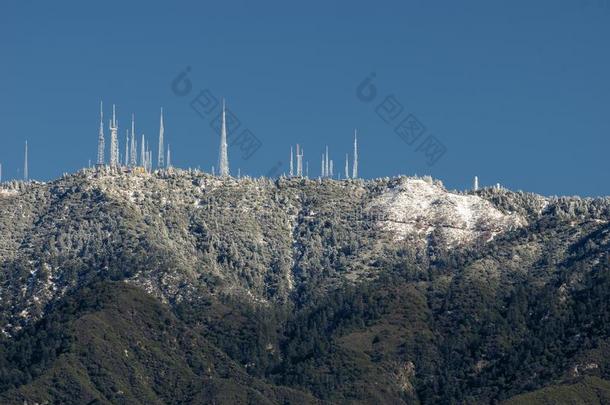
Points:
(179, 287)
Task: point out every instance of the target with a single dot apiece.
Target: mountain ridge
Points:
(302, 282)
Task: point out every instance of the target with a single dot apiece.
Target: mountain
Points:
(180, 287)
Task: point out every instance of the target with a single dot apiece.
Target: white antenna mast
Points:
(133, 159)
(26, 173)
(127, 148)
(161, 155)
(100, 140)
(114, 140)
(355, 162)
(224, 156)
(143, 152)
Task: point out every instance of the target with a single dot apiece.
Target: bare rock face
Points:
(420, 209)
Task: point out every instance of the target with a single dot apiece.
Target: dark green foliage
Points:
(119, 345)
(468, 341)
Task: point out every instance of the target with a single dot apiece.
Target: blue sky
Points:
(515, 92)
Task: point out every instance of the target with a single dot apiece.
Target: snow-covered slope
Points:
(417, 209)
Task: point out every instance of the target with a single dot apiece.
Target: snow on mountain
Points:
(178, 232)
(417, 208)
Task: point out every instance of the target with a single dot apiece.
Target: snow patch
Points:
(8, 192)
(418, 208)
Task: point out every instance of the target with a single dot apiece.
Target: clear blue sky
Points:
(518, 92)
